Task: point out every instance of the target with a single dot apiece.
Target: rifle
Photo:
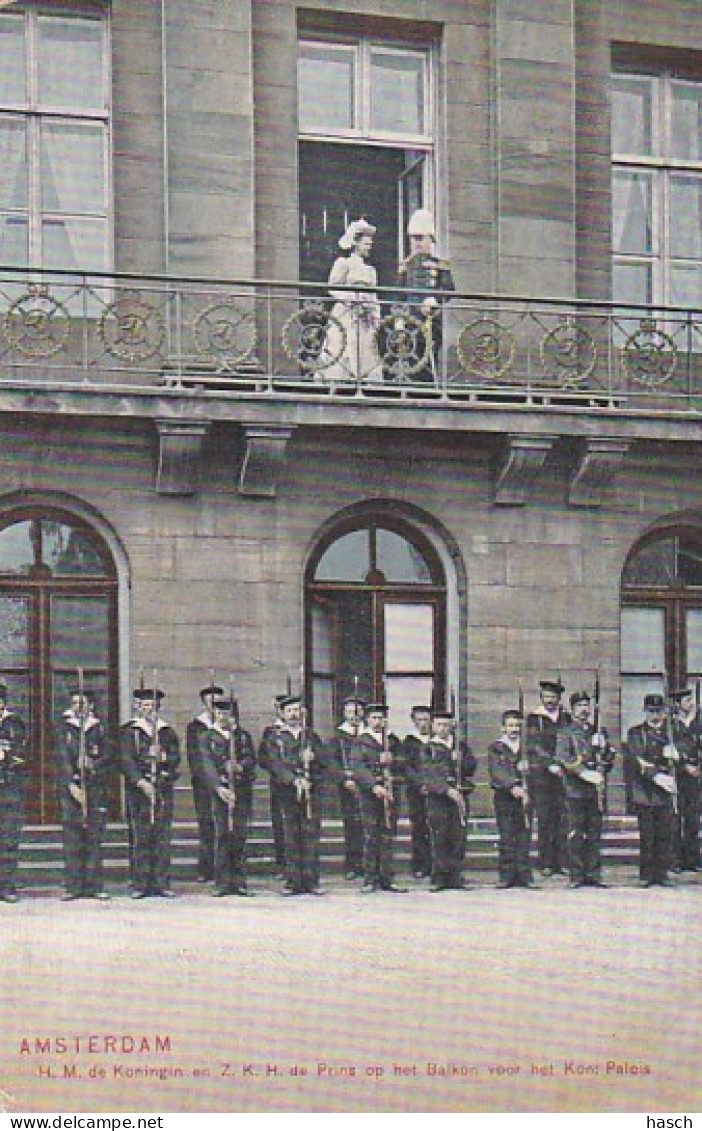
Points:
(602, 800)
(457, 760)
(306, 755)
(233, 759)
(82, 754)
(523, 759)
(386, 765)
(156, 757)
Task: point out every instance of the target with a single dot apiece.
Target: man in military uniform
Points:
(441, 770)
(150, 760)
(228, 762)
(201, 794)
(507, 769)
(84, 759)
(416, 800)
(273, 792)
(375, 758)
(340, 763)
(292, 755)
(687, 739)
(13, 780)
(425, 276)
(587, 757)
(546, 776)
(650, 778)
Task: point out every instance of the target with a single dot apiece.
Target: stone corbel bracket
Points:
(265, 447)
(520, 469)
(179, 454)
(598, 463)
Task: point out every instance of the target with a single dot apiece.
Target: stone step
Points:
(41, 859)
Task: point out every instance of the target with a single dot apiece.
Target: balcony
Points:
(261, 351)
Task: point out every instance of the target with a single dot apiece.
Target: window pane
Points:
(402, 693)
(73, 168)
(75, 243)
(632, 98)
(685, 216)
(686, 122)
(67, 550)
(643, 640)
(693, 619)
(16, 548)
(13, 76)
(400, 560)
(70, 63)
(79, 633)
(631, 219)
(14, 240)
(686, 285)
(326, 82)
(13, 163)
(322, 640)
(689, 562)
(322, 692)
(409, 638)
(14, 629)
(633, 282)
(397, 93)
(652, 565)
(347, 559)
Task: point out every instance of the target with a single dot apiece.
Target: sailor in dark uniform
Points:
(13, 783)
(507, 769)
(375, 759)
(150, 760)
(650, 762)
(546, 776)
(587, 757)
(201, 793)
(84, 758)
(293, 756)
(416, 800)
(228, 764)
(687, 738)
(273, 791)
(442, 772)
(426, 278)
(340, 764)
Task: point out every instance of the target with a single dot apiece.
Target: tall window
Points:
(661, 617)
(54, 141)
(657, 189)
(376, 620)
(366, 129)
(58, 610)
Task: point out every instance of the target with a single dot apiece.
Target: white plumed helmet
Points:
(421, 223)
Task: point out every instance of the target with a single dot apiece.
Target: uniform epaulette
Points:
(444, 264)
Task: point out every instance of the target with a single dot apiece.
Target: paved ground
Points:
(472, 1001)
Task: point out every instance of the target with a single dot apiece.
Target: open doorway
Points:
(338, 183)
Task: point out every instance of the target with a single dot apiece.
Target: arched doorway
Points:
(661, 638)
(58, 613)
(375, 618)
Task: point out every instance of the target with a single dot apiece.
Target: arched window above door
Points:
(51, 546)
(661, 636)
(376, 618)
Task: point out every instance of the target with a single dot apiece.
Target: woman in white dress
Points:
(350, 350)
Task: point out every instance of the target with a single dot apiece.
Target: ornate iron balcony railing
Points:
(238, 337)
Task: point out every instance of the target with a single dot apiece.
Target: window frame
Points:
(35, 114)
(363, 49)
(663, 167)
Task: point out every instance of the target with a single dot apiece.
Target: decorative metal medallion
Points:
(403, 344)
(486, 349)
(649, 355)
(312, 338)
(568, 354)
(36, 324)
(225, 333)
(131, 328)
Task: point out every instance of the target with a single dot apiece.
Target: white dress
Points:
(357, 357)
